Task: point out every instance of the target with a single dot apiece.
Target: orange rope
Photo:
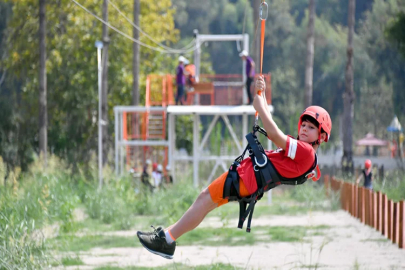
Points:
(263, 27)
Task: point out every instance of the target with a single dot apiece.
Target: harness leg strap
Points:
(242, 211)
(250, 216)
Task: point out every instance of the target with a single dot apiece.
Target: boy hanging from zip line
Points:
(292, 163)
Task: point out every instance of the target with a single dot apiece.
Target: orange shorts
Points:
(216, 189)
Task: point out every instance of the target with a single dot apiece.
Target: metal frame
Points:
(200, 39)
(217, 112)
(198, 144)
(119, 138)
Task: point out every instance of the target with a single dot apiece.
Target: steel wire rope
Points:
(131, 38)
(188, 46)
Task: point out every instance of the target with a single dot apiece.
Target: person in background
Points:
(145, 177)
(250, 72)
(190, 75)
(157, 175)
(367, 175)
(180, 80)
(168, 179)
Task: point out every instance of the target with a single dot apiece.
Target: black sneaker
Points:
(149, 233)
(155, 242)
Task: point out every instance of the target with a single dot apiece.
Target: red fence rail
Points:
(371, 208)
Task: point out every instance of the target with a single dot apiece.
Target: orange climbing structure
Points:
(150, 125)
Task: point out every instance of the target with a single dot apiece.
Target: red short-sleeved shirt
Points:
(297, 159)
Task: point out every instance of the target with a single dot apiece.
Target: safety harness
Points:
(266, 177)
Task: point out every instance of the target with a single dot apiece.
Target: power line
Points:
(129, 37)
(188, 46)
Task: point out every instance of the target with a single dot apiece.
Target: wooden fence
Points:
(371, 208)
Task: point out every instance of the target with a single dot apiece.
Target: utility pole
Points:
(135, 58)
(309, 64)
(348, 96)
(43, 114)
(104, 84)
(99, 46)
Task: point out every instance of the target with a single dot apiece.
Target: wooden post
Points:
(371, 195)
(346, 196)
(362, 203)
(401, 225)
(370, 211)
(370, 207)
(384, 216)
(366, 206)
(351, 199)
(375, 210)
(390, 212)
(395, 221)
(355, 201)
(342, 195)
(379, 209)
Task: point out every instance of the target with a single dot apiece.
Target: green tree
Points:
(43, 109)
(348, 97)
(72, 68)
(396, 32)
(388, 64)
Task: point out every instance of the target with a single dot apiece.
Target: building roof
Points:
(371, 140)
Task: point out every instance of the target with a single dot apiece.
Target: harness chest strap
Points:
(266, 177)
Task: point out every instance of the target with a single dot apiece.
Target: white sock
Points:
(169, 238)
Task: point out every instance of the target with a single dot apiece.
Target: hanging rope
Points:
(263, 17)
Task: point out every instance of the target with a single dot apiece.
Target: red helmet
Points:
(367, 164)
(321, 116)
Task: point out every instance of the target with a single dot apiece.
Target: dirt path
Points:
(347, 244)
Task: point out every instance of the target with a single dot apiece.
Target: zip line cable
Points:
(244, 19)
(188, 46)
(129, 37)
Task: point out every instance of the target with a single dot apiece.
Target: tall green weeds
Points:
(28, 203)
(124, 197)
(313, 196)
(393, 185)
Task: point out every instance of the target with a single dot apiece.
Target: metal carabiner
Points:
(264, 163)
(262, 6)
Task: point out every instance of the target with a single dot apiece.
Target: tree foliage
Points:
(72, 68)
(284, 57)
(72, 64)
(396, 32)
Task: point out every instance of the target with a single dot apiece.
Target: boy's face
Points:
(308, 132)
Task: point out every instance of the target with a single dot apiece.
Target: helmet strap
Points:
(315, 143)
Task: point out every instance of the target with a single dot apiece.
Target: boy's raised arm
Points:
(273, 132)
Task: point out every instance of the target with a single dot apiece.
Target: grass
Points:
(41, 198)
(177, 266)
(136, 222)
(87, 242)
(199, 236)
(382, 240)
(71, 261)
